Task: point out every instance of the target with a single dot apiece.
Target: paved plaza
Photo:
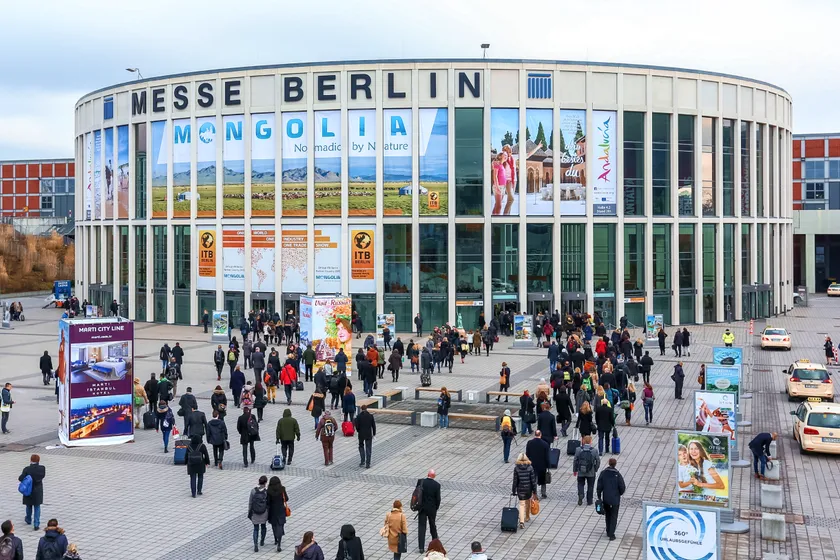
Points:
(129, 501)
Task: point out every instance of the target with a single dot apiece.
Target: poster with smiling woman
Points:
(702, 469)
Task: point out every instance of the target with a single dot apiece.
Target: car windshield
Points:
(824, 420)
(810, 374)
(780, 332)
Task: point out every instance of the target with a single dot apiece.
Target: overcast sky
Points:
(55, 51)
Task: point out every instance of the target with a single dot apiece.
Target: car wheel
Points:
(802, 449)
(790, 399)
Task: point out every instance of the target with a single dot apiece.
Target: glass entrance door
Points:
(537, 306)
(605, 307)
(263, 303)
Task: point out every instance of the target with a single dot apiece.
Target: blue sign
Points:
(62, 289)
(728, 356)
(681, 532)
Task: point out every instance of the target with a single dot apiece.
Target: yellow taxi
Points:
(833, 290)
(809, 381)
(775, 337)
(816, 426)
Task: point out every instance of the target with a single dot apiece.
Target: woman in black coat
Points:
(686, 341)
(349, 546)
(246, 439)
(661, 335)
(565, 409)
(197, 460)
(638, 347)
(277, 498)
(526, 411)
(34, 500)
(584, 420)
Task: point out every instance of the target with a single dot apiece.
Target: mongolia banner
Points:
(702, 469)
(361, 162)
(397, 175)
(433, 190)
(603, 167)
(294, 165)
(95, 381)
(294, 274)
(327, 148)
(262, 259)
(327, 328)
(572, 153)
(108, 164)
(680, 532)
(328, 259)
(714, 413)
(233, 258)
(233, 168)
(361, 260)
(539, 162)
(160, 167)
(181, 176)
(205, 169)
(97, 174)
(262, 165)
(207, 259)
(728, 355)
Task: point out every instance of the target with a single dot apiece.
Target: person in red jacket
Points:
(288, 377)
(601, 347)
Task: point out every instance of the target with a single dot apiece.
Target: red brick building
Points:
(37, 188)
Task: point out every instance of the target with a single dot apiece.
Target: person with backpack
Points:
(11, 547)
(197, 460)
(217, 436)
(249, 432)
(349, 545)
(231, 359)
(218, 401)
(288, 378)
(173, 374)
(585, 466)
(325, 431)
(164, 389)
(507, 430)
(32, 489)
(258, 511)
(165, 422)
(259, 400)
(365, 425)
(425, 500)
(219, 361)
(237, 382)
(524, 487)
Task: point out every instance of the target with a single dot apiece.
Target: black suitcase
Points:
(299, 386)
(510, 518)
(425, 380)
(148, 420)
(573, 444)
(553, 458)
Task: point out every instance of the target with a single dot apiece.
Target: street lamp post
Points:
(133, 70)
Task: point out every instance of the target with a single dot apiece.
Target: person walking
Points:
(53, 544)
(288, 378)
(326, 430)
(165, 422)
(232, 359)
(260, 400)
(526, 412)
(196, 424)
(610, 489)
(205, 320)
(760, 447)
(348, 404)
(46, 367)
(365, 425)
(605, 421)
(288, 430)
(249, 431)
(271, 378)
(341, 361)
(443, 403)
(140, 401)
(394, 365)
(258, 511)
(538, 452)
(647, 402)
(395, 526)
(6, 403)
(585, 466)
(217, 436)
(678, 377)
(36, 472)
(565, 410)
(309, 362)
(164, 389)
(197, 460)
(661, 335)
(308, 549)
(428, 508)
(11, 545)
(507, 432)
(504, 381)
(645, 365)
(728, 338)
(237, 382)
(349, 545)
(164, 355)
(524, 487)
(585, 421)
(546, 424)
(258, 361)
(628, 396)
(829, 350)
(686, 342)
(151, 390)
(678, 343)
(435, 551)
(186, 404)
(219, 361)
(418, 325)
(277, 503)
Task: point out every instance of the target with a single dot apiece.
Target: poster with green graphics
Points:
(160, 167)
(361, 162)
(295, 165)
(205, 169)
(327, 173)
(233, 178)
(397, 177)
(263, 176)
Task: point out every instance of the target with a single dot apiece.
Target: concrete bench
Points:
(418, 390)
(410, 414)
(476, 418)
(391, 395)
(500, 394)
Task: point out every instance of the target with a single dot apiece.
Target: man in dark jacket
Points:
(537, 451)
(547, 425)
(645, 364)
(187, 404)
(368, 373)
(605, 421)
(418, 327)
(219, 361)
(258, 363)
(366, 430)
(178, 354)
(46, 366)
(164, 355)
(287, 431)
(428, 508)
(341, 361)
(151, 388)
(33, 501)
(205, 320)
(553, 356)
(678, 377)
(196, 424)
(53, 544)
(585, 466)
(10, 540)
(632, 369)
(565, 410)
(237, 381)
(760, 447)
(607, 378)
(610, 489)
(309, 362)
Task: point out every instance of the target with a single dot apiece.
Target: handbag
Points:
(534, 505)
(402, 544)
(548, 476)
(227, 445)
(288, 509)
(599, 507)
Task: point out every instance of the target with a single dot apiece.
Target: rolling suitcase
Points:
(553, 458)
(180, 454)
(277, 462)
(572, 445)
(148, 420)
(615, 443)
(347, 429)
(425, 379)
(299, 386)
(510, 518)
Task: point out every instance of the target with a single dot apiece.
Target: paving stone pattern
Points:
(130, 501)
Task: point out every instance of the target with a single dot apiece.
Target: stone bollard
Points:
(472, 397)
(776, 472)
(428, 419)
(773, 527)
(774, 556)
(771, 496)
(773, 449)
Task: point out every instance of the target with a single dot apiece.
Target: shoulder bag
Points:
(383, 531)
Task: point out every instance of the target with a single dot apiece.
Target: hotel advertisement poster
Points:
(325, 323)
(95, 377)
(681, 532)
(702, 469)
(523, 331)
(383, 321)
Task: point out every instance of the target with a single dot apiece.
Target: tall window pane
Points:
(662, 271)
(634, 163)
(685, 161)
(505, 255)
(686, 268)
(160, 272)
(746, 147)
(729, 271)
(661, 137)
(634, 272)
(603, 260)
(182, 274)
(709, 271)
(140, 278)
(759, 253)
(434, 278)
(745, 254)
(771, 179)
(140, 170)
(709, 165)
(540, 258)
(759, 170)
(469, 258)
(469, 162)
(396, 261)
(573, 256)
(728, 167)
